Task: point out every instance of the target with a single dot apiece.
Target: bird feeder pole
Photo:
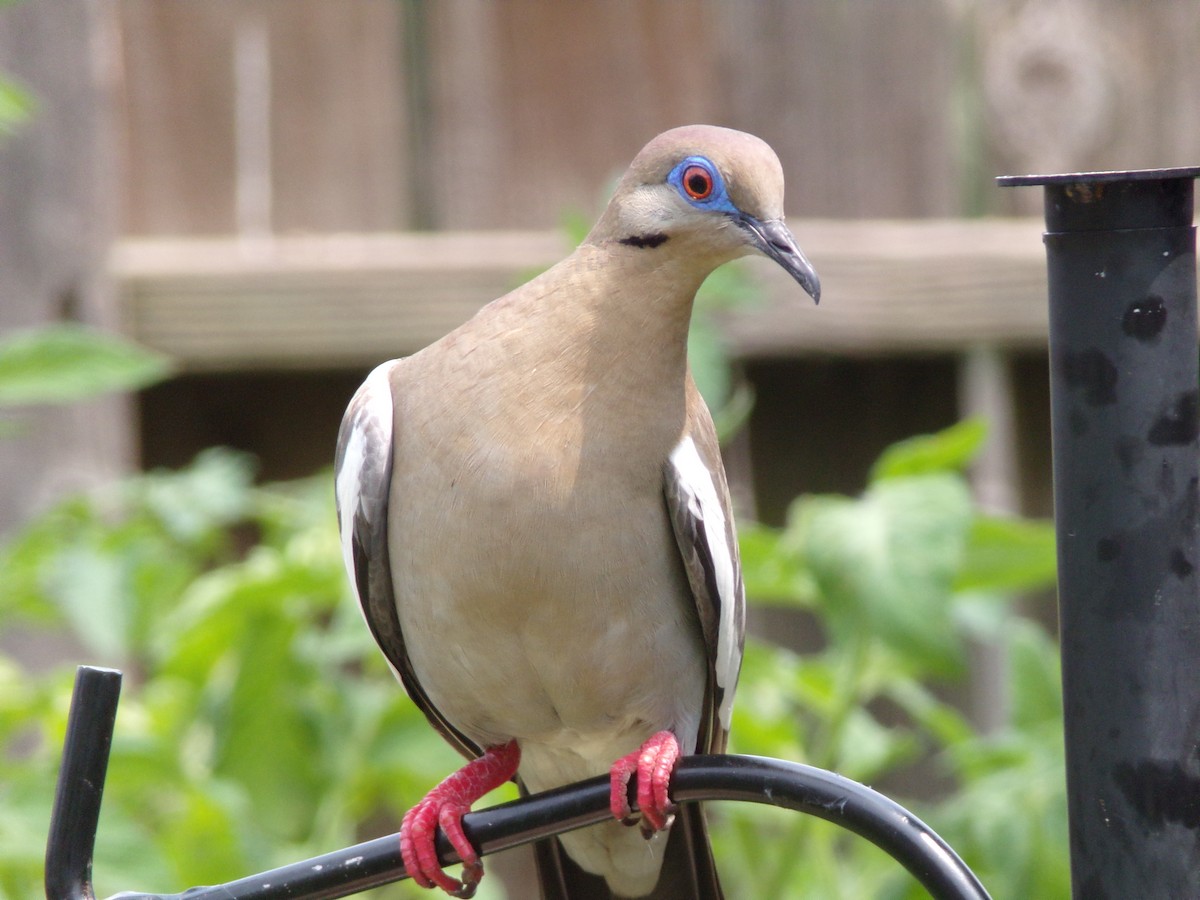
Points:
(1125, 409)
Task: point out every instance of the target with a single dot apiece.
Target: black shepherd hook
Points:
(81, 784)
(792, 786)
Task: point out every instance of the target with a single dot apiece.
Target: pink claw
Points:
(654, 763)
(445, 805)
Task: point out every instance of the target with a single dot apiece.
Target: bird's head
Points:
(706, 188)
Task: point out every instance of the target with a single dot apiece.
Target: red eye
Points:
(698, 182)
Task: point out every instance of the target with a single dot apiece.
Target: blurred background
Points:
(221, 181)
(273, 196)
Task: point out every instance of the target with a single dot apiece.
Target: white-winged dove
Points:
(536, 521)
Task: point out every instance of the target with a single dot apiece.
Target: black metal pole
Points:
(76, 812)
(1124, 391)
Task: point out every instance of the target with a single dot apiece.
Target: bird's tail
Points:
(688, 871)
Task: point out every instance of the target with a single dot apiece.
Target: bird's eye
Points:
(698, 182)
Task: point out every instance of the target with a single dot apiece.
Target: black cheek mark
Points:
(1093, 373)
(1144, 319)
(644, 241)
(1178, 425)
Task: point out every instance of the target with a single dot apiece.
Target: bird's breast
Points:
(547, 565)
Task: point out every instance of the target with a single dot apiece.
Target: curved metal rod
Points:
(755, 779)
(804, 789)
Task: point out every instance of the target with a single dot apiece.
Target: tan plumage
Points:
(527, 485)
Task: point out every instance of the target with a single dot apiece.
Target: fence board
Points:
(334, 113)
(858, 99)
(476, 114)
(538, 103)
(353, 300)
(338, 116)
(178, 116)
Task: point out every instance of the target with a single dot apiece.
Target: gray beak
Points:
(775, 241)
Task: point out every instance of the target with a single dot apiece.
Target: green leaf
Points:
(729, 398)
(765, 715)
(947, 450)
(886, 562)
(730, 286)
(15, 105)
(937, 717)
(91, 588)
(709, 362)
(772, 571)
(869, 748)
(575, 223)
(196, 503)
(262, 741)
(732, 417)
(1036, 676)
(1022, 855)
(30, 555)
(1008, 554)
(66, 363)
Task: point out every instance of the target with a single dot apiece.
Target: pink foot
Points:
(654, 764)
(445, 805)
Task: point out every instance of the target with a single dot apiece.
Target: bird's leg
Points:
(445, 805)
(654, 763)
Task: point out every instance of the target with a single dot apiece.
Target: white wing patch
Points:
(365, 434)
(699, 490)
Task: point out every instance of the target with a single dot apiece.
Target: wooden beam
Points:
(353, 300)
(315, 302)
(905, 286)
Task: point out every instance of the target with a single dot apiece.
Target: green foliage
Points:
(16, 103)
(259, 725)
(1005, 554)
(900, 582)
(728, 395)
(1009, 816)
(885, 562)
(15, 106)
(947, 451)
(65, 363)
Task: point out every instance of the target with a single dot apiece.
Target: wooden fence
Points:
(297, 119)
(274, 156)
(364, 115)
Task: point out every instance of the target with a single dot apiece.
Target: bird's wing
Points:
(698, 503)
(362, 477)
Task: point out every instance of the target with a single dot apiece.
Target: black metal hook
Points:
(81, 783)
(804, 789)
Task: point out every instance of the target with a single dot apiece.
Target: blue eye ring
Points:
(700, 184)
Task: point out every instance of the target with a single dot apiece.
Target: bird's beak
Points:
(775, 241)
